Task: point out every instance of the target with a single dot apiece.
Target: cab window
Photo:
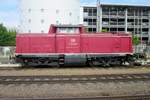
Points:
(69, 30)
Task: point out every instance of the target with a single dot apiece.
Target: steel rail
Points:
(13, 67)
(133, 97)
(73, 79)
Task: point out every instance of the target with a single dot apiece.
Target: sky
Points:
(9, 9)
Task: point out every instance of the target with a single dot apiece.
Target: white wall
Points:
(38, 15)
(81, 15)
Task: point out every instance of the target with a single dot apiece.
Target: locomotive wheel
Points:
(25, 63)
(55, 65)
(91, 64)
(131, 63)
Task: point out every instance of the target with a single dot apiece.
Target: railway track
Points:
(73, 79)
(135, 97)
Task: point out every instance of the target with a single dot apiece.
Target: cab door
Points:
(117, 44)
(60, 44)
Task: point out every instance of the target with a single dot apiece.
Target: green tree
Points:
(2, 29)
(135, 40)
(7, 37)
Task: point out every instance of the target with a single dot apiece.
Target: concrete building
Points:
(90, 18)
(36, 16)
(118, 18)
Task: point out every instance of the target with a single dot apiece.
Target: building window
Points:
(21, 21)
(42, 31)
(29, 20)
(29, 10)
(94, 29)
(57, 11)
(94, 10)
(70, 14)
(78, 17)
(42, 21)
(42, 10)
(85, 20)
(29, 31)
(90, 30)
(57, 22)
(85, 10)
(90, 12)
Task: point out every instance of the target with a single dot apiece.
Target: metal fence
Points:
(7, 51)
(140, 48)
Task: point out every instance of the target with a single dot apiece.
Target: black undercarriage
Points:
(74, 60)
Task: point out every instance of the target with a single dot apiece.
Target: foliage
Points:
(7, 37)
(104, 30)
(135, 40)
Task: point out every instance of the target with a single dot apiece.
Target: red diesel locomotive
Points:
(67, 45)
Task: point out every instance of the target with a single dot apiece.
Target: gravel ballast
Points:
(74, 89)
(71, 90)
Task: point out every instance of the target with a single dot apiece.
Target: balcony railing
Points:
(130, 14)
(145, 24)
(105, 23)
(121, 23)
(113, 14)
(92, 23)
(144, 33)
(145, 14)
(113, 23)
(130, 23)
(85, 23)
(105, 13)
(121, 14)
(94, 14)
(85, 14)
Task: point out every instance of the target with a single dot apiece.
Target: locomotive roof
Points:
(67, 26)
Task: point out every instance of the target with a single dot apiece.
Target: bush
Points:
(7, 37)
(104, 30)
(136, 40)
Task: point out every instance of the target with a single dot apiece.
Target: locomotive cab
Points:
(69, 45)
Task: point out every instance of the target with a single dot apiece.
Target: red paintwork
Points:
(106, 43)
(68, 43)
(73, 43)
(35, 43)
